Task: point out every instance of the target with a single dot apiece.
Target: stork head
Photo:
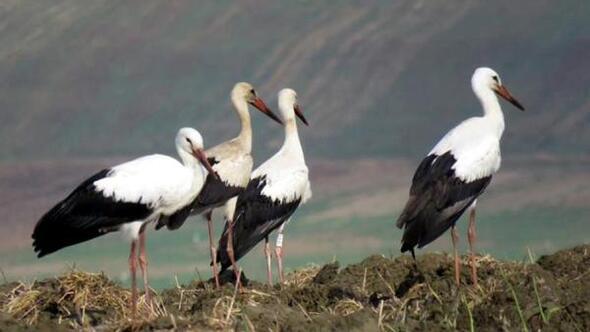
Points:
(289, 106)
(190, 141)
(485, 78)
(245, 92)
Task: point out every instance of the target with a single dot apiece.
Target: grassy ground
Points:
(379, 293)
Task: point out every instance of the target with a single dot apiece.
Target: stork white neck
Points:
(292, 144)
(245, 136)
(491, 106)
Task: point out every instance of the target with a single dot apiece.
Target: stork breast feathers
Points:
(478, 161)
(475, 146)
(286, 185)
(235, 171)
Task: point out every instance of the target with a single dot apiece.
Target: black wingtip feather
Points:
(83, 215)
(406, 247)
(255, 217)
(437, 199)
(175, 220)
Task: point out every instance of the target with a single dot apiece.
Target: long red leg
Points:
(268, 256)
(455, 239)
(230, 251)
(279, 254)
(471, 236)
(143, 263)
(212, 248)
(132, 272)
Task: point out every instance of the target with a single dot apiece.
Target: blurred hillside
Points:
(117, 78)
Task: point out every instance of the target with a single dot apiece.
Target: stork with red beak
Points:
(126, 198)
(232, 162)
(456, 171)
(276, 189)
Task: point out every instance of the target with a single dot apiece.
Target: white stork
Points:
(126, 198)
(456, 171)
(276, 189)
(232, 160)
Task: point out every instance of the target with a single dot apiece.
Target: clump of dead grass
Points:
(386, 293)
(225, 311)
(301, 277)
(21, 303)
(253, 297)
(347, 307)
(79, 296)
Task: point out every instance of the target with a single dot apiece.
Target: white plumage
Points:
(235, 171)
(475, 146)
(276, 188)
(159, 181)
(285, 172)
(457, 170)
(286, 178)
(232, 161)
(125, 198)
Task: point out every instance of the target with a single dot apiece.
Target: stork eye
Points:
(495, 78)
(253, 92)
(188, 140)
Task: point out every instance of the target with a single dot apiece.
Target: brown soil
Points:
(378, 293)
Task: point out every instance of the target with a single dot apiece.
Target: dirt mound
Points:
(376, 294)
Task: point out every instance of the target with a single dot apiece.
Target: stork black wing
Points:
(437, 199)
(83, 215)
(215, 192)
(255, 217)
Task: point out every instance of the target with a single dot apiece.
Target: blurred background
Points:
(88, 84)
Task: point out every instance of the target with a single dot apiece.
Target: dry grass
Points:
(378, 293)
(21, 303)
(79, 295)
(223, 314)
(347, 307)
(300, 278)
(455, 302)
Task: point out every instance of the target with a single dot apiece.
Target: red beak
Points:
(261, 106)
(200, 155)
(503, 92)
